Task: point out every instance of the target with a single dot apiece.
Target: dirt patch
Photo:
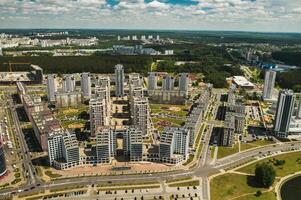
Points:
(176, 109)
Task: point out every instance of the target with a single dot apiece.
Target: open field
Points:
(257, 143)
(179, 110)
(226, 151)
(236, 186)
(292, 164)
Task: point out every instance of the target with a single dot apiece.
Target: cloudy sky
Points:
(246, 15)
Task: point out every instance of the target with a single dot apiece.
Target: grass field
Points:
(228, 186)
(179, 110)
(226, 151)
(172, 121)
(71, 112)
(242, 187)
(292, 164)
(257, 143)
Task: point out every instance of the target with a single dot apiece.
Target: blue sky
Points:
(244, 15)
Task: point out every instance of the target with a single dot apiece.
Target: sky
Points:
(238, 15)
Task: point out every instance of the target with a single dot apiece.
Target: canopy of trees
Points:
(265, 175)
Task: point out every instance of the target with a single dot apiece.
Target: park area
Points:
(168, 115)
(72, 118)
(240, 184)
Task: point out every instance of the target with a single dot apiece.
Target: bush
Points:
(265, 175)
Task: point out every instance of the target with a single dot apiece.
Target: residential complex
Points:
(51, 87)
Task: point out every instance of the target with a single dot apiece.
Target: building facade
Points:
(86, 85)
(51, 87)
(284, 113)
(269, 83)
(119, 80)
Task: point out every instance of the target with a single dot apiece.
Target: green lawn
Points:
(71, 112)
(228, 186)
(264, 196)
(226, 151)
(180, 110)
(292, 164)
(73, 124)
(257, 143)
(185, 184)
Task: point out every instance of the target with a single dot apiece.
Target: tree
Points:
(265, 175)
(258, 193)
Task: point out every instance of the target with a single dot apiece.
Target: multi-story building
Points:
(152, 81)
(119, 80)
(51, 87)
(69, 83)
(98, 114)
(269, 83)
(3, 168)
(299, 108)
(140, 114)
(174, 145)
(104, 150)
(168, 82)
(68, 99)
(227, 137)
(284, 113)
(183, 82)
(63, 150)
(135, 144)
(86, 85)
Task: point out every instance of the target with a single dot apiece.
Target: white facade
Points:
(86, 85)
(119, 80)
(51, 87)
(68, 83)
(269, 83)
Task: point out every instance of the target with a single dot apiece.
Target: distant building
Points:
(68, 83)
(183, 82)
(68, 99)
(3, 168)
(168, 82)
(299, 108)
(152, 81)
(269, 83)
(119, 80)
(242, 82)
(174, 145)
(51, 87)
(86, 85)
(284, 113)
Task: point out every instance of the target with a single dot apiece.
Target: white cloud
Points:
(206, 14)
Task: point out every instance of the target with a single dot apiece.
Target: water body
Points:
(291, 190)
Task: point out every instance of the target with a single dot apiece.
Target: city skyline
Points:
(229, 15)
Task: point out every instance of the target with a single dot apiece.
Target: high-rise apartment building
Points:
(135, 144)
(119, 80)
(98, 114)
(174, 144)
(183, 82)
(140, 114)
(152, 81)
(63, 150)
(299, 108)
(285, 107)
(269, 83)
(51, 87)
(3, 168)
(69, 83)
(104, 145)
(168, 82)
(86, 85)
